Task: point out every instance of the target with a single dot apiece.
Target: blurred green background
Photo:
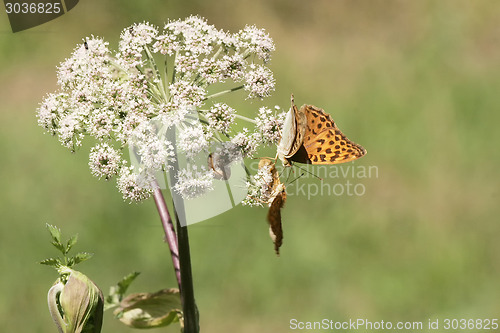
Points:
(415, 82)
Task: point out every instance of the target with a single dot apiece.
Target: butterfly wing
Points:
(323, 141)
(276, 201)
(292, 136)
(274, 219)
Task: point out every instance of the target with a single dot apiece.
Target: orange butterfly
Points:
(310, 136)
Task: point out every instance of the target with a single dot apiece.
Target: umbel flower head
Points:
(131, 98)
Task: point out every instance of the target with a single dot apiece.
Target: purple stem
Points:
(168, 227)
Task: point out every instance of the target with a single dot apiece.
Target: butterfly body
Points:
(311, 136)
(294, 129)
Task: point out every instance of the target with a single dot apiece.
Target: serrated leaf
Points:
(126, 281)
(54, 262)
(55, 232)
(117, 291)
(72, 241)
(78, 258)
(82, 256)
(59, 246)
(70, 262)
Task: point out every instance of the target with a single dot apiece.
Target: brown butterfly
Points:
(310, 136)
(276, 202)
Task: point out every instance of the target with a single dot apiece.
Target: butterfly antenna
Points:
(309, 172)
(296, 178)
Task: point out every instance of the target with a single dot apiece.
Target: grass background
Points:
(415, 82)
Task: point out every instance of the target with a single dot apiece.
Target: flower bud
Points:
(76, 305)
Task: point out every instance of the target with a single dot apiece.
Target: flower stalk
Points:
(220, 93)
(181, 258)
(168, 228)
(190, 312)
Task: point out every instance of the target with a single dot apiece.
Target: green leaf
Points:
(72, 241)
(55, 232)
(126, 282)
(78, 258)
(82, 256)
(117, 291)
(54, 262)
(70, 262)
(59, 246)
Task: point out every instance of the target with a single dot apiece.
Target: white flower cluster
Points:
(259, 82)
(129, 98)
(270, 125)
(193, 140)
(246, 142)
(260, 187)
(220, 117)
(192, 183)
(104, 161)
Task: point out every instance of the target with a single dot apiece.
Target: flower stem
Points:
(224, 92)
(246, 118)
(181, 259)
(189, 310)
(174, 71)
(168, 228)
(165, 79)
(191, 324)
(152, 61)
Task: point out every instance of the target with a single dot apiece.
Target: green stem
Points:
(245, 54)
(246, 118)
(190, 312)
(154, 94)
(167, 92)
(157, 72)
(220, 93)
(219, 51)
(191, 324)
(173, 71)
